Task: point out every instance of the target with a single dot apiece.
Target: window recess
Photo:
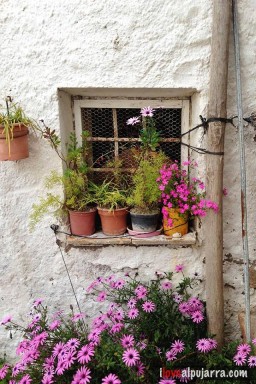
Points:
(112, 140)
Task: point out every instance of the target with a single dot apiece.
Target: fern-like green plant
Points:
(145, 193)
(108, 196)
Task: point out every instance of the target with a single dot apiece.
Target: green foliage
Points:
(49, 204)
(145, 193)
(153, 333)
(78, 194)
(149, 136)
(109, 196)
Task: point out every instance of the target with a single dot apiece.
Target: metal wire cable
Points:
(55, 230)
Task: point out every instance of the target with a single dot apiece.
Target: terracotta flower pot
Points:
(18, 144)
(180, 222)
(82, 223)
(113, 222)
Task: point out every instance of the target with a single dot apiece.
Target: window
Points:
(111, 138)
(104, 114)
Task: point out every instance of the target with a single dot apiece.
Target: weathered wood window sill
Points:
(99, 239)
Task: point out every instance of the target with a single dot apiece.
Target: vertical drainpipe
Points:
(242, 171)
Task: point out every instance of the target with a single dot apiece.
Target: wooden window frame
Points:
(114, 103)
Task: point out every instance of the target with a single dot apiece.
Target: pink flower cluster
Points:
(177, 347)
(243, 355)
(193, 308)
(145, 112)
(206, 345)
(74, 354)
(178, 191)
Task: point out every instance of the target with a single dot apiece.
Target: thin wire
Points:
(72, 286)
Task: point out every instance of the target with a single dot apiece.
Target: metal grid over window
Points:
(112, 139)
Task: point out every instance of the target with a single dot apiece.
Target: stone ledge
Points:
(100, 240)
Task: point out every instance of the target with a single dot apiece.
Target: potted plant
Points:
(78, 200)
(14, 129)
(112, 208)
(145, 194)
(183, 198)
(149, 136)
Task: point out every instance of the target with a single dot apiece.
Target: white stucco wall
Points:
(46, 45)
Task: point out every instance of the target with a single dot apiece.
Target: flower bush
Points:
(143, 330)
(179, 191)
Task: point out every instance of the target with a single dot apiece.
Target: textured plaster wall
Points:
(113, 43)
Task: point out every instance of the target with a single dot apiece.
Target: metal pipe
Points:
(242, 171)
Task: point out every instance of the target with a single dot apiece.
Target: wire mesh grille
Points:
(111, 138)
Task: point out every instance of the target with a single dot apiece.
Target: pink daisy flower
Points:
(130, 357)
(73, 343)
(85, 354)
(166, 286)
(116, 327)
(55, 324)
(171, 355)
(25, 380)
(133, 313)
(61, 367)
(3, 371)
(111, 379)
(203, 345)
(147, 112)
(37, 302)
(213, 344)
(82, 375)
(6, 319)
(69, 359)
(16, 370)
(94, 335)
(254, 341)
(40, 338)
(127, 341)
(119, 315)
(132, 302)
(179, 268)
(119, 284)
(140, 369)
(252, 361)
(101, 296)
(48, 363)
(141, 292)
(178, 346)
(133, 121)
(148, 306)
(197, 317)
(167, 381)
(195, 304)
(57, 349)
(92, 286)
(77, 317)
(177, 298)
(47, 378)
(183, 308)
(240, 358)
(244, 348)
